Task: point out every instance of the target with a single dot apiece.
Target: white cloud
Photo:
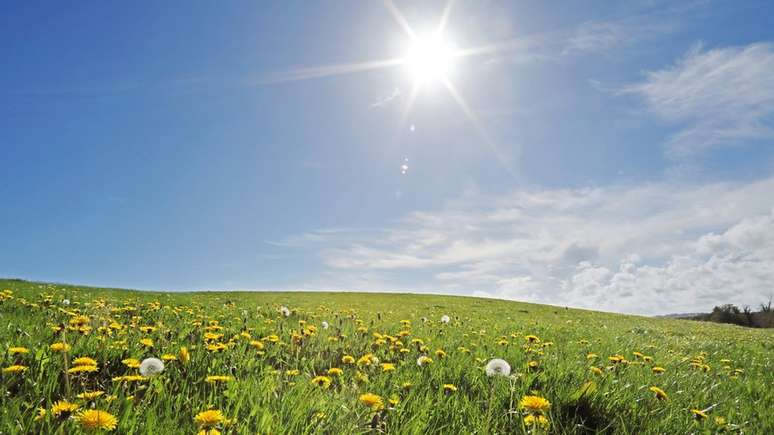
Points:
(718, 97)
(386, 99)
(602, 36)
(652, 248)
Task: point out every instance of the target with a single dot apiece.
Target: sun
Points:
(429, 59)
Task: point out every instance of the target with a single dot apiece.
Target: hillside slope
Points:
(386, 362)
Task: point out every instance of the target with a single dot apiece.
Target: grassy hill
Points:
(397, 367)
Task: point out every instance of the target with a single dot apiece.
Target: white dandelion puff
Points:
(445, 319)
(497, 367)
(151, 367)
(285, 311)
(325, 325)
(65, 302)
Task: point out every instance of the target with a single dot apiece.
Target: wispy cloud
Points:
(651, 248)
(385, 100)
(718, 97)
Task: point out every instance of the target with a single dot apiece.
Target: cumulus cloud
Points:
(649, 249)
(717, 97)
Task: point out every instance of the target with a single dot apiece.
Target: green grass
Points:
(264, 398)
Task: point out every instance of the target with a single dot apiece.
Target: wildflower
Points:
(184, 355)
(596, 370)
(293, 372)
(132, 363)
(532, 338)
(592, 356)
(41, 414)
(82, 369)
(285, 311)
(60, 347)
(84, 361)
(321, 381)
(424, 360)
(660, 394)
(445, 319)
(388, 367)
(210, 431)
(537, 420)
(720, 421)
(129, 378)
(533, 364)
(17, 350)
(63, 409)
(168, 357)
(90, 395)
(698, 414)
(335, 371)
(449, 388)
(658, 370)
(151, 367)
(615, 359)
(325, 325)
(407, 386)
(94, 419)
(147, 342)
(347, 359)
(257, 344)
(218, 378)
(15, 369)
(367, 360)
(534, 404)
(209, 418)
(497, 367)
(372, 401)
(440, 353)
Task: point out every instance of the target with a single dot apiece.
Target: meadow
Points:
(80, 360)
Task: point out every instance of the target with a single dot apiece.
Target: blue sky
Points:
(613, 155)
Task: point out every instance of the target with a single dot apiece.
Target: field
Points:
(386, 363)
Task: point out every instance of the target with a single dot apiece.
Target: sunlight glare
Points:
(429, 59)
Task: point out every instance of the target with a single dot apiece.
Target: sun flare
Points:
(429, 59)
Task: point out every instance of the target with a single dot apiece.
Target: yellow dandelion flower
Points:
(218, 378)
(90, 395)
(407, 386)
(15, 369)
(596, 370)
(347, 359)
(184, 355)
(84, 361)
(658, 370)
(660, 394)
(537, 420)
(132, 363)
(168, 357)
(449, 388)
(210, 431)
(17, 350)
(372, 401)
(60, 347)
(94, 419)
(424, 360)
(388, 367)
(321, 381)
(147, 342)
(698, 414)
(63, 409)
(209, 418)
(82, 369)
(534, 404)
(335, 371)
